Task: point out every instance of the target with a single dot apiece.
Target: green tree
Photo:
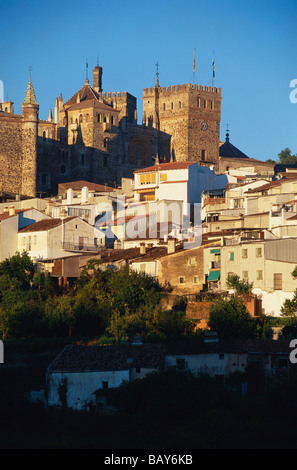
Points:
(285, 157)
(230, 319)
(241, 287)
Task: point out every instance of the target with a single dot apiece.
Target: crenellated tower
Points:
(191, 115)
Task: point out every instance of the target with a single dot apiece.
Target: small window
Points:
(63, 169)
(259, 275)
(244, 253)
(205, 104)
(163, 177)
(231, 258)
(245, 275)
(258, 252)
(44, 136)
(198, 103)
(164, 106)
(179, 104)
(195, 280)
(203, 155)
(182, 280)
(80, 118)
(192, 262)
(278, 281)
(180, 363)
(171, 105)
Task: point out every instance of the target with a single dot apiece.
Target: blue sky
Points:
(254, 44)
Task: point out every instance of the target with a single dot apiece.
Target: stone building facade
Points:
(191, 115)
(94, 136)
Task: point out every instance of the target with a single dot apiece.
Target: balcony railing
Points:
(76, 247)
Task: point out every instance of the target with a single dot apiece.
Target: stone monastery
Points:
(94, 136)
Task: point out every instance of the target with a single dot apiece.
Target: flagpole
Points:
(213, 69)
(194, 66)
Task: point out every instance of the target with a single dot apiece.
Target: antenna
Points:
(30, 70)
(87, 65)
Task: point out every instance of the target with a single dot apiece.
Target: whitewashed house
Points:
(56, 238)
(11, 221)
(79, 373)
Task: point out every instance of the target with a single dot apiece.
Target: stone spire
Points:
(50, 116)
(30, 97)
(157, 76)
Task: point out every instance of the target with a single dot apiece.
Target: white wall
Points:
(210, 363)
(81, 386)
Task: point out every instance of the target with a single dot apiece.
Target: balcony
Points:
(215, 265)
(80, 248)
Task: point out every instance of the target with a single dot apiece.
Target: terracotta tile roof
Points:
(167, 166)
(86, 93)
(252, 346)
(265, 187)
(76, 358)
(43, 225)
(78, 185)
(5, 215)
(107, 358)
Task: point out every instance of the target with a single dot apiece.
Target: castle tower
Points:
(191, 115)
(97, 78)
(30, 110)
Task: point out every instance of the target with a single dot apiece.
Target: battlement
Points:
(183, 88)
(114, 94)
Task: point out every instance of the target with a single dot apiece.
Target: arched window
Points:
(80, 118)
(87, 117)
(111, 119)
(44, 136)
(104, 118)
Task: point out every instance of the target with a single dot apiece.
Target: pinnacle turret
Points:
(30, 97)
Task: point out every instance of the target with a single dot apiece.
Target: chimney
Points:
(142, 248)
(171, 245)
(11, 210)
(84, 194)
(5, 209)
(97, 79)
(150, 245)
(69, 196)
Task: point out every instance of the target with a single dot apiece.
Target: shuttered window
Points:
(278, 281)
